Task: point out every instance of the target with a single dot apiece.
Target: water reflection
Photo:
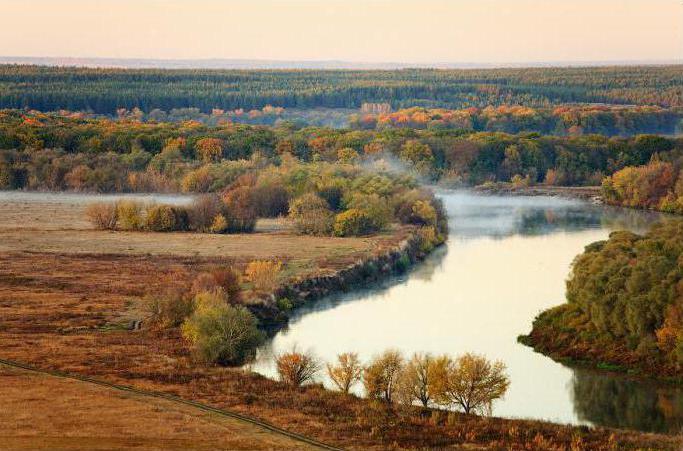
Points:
(506, 260)
(623, 403)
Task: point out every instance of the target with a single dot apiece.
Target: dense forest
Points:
(572, 120)
(623, 304)
(53, 152)
(106, 90)
(657, 185)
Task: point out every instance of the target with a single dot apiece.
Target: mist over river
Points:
(506, 260)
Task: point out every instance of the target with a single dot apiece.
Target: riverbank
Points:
(69, 311)
(589, 193)
(622, 309)
(565, 345)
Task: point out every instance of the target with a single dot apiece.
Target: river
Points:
(506, 260)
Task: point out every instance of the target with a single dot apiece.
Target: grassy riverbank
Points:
(70, 307)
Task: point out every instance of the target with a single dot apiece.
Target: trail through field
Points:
(96, 415)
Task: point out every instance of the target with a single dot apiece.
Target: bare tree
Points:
(346, 372)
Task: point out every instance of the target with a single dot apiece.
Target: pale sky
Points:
(403, 31)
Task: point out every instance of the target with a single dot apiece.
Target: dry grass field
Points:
(42, 412)
(68, 294)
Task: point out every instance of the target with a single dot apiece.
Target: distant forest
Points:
(104, 91)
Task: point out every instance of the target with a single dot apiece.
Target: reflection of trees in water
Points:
(638, 221)
(616, 401)
(540, 222)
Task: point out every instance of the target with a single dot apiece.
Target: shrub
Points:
(219, 224)
(332, 191)
(375, 207)
(381, 375)
(166, 218)
(353, 222)
(241, 214)
(311, 215)
(263, 274)
(346, 372)
(221, 333)
(197, 181)
(285, 304)
(297, 368)
(6, 176)
(428, 238)
(203, 212)
(169, 310)
(102, 215)
(270, 200)
(423, 214)
(129, 214)
(227, 280)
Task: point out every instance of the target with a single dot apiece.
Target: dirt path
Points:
(94, 415)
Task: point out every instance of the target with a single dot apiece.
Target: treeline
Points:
(657, 185)
(52, 152)
(106, 90)
(320, 198)
(624, 306)
(563, 120)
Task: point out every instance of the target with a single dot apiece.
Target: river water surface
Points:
(506, 260)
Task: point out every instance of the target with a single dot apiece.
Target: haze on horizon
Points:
(369, 31)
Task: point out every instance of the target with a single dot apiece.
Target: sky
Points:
(401, 31)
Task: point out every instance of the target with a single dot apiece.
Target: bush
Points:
(311, 215)
(102, 215)
(203, 212)
(129, 214)
(166, 218)
(241, 214)
(297, 368)
(264, 274)
(423, 214)
(353, 222)
(221, 333)
(374, 206)
(219, 224)
(198, 181)
(270, 200)
(169, 310)
(428, 238)
(225, 280)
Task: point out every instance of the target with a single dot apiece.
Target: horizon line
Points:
(256, 63)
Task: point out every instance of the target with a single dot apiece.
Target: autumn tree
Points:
(473, 383)
(346, 372)
(263, 274)
(297, 368)
(381, 375)
(221, 333)
(422, 378)
(209, 149)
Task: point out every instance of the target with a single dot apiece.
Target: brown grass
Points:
(67, 309)
(46, 412)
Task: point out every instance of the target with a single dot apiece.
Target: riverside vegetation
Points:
(327, 183)
(623, 309)
(41, 151)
